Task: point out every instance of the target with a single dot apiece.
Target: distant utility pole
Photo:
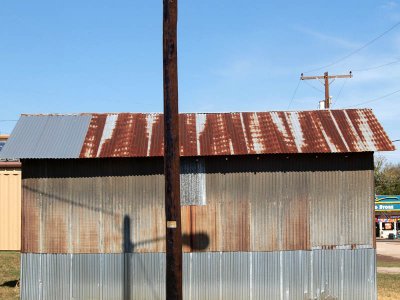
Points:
(171, 153)
(326, 78)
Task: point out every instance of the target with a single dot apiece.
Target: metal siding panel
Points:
(55, 221)
(266, 276)
(282, 207)
(202, 275)
(10, 209)
(341, 211)
(30, 225)
(234, 214)
(85, 279)
(102, 214)
(201, 221)
(266, 192)
(294, 211)
(47, 137)
(85, 207)
(228, 223)
(193, 182)
(317, 274)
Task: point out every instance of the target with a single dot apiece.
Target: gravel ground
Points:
(388, 248)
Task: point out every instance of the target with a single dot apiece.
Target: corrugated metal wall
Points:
(272, 227)
(267, 204)
(10, 209)
(284, 275)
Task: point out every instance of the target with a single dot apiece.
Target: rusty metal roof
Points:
(205, 134)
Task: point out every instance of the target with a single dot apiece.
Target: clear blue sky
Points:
(106, 56)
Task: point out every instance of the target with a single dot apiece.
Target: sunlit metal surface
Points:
(268, 203)
(141, 135)
(288, 275)
(47, 136)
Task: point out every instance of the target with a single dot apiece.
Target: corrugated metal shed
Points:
(141, 135)
(294, 221)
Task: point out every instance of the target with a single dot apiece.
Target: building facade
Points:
(10, 202)
(274, 205)
(387, 216)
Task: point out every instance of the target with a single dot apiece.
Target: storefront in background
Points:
(387, 216)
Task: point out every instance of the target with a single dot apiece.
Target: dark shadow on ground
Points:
(11, 283)
(388, 259)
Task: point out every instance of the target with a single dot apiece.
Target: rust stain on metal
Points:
(187, 132)
(327, 131)
(346, 129)
(55, 233)
(30, 233)
(93, 136)
(235, 229)
(157, 138)
(186, 226)
(354, 119)
(284, 136)
(379, 136)
(328, 247)
(296, 225)
(10, 165)
(203, 219)
(312, 131)
(267, 210)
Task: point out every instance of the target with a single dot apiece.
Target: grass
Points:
(388, 284)
(9, 274)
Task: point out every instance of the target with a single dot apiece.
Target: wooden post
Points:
(171, 153)
(327, 100)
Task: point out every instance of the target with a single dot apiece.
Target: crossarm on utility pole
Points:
(302, 77)
(326, 78)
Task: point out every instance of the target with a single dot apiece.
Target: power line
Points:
(376, 99)
(294, 94)
(395, 141)
(357, 50)
(315, 88)
(8, 120)
(377, 67)
(340, 92)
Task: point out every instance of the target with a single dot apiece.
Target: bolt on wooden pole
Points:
(171, 153)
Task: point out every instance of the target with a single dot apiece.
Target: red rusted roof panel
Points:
(322, 131)
(93, 136)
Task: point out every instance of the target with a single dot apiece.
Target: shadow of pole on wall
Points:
(128, 248)
(196, 242)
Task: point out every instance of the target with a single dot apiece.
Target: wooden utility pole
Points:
(326, 78)
(171, 153)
